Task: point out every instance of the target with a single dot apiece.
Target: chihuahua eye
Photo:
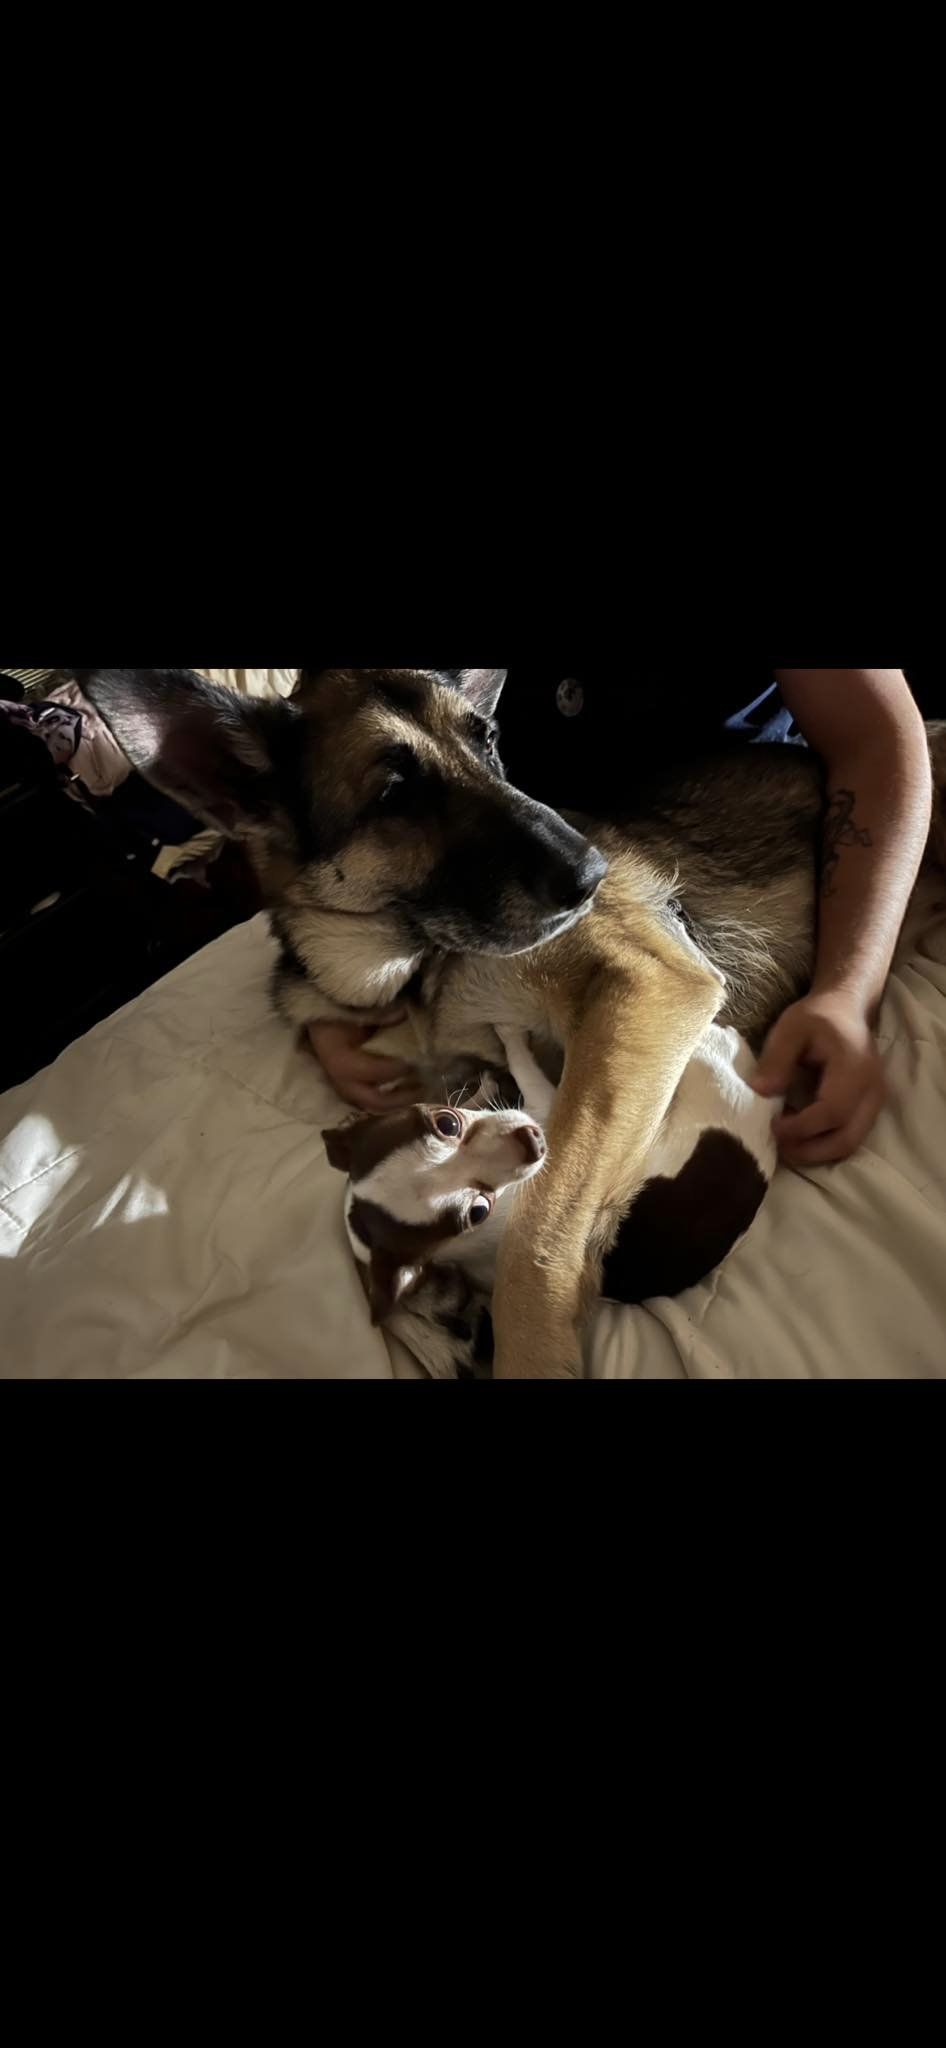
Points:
(447, 1124)
(480, 1209)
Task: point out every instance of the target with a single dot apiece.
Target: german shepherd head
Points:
(369, 794)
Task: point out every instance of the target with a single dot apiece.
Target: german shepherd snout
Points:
(511, 876)
(371, 793)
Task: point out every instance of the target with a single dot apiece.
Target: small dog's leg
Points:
(537, 1093)
(631, 1037)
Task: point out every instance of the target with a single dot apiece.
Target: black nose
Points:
(570, 884)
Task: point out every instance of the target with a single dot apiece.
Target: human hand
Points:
(362, 1078)
(829, 1037)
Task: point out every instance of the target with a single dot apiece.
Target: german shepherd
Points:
(397, 862)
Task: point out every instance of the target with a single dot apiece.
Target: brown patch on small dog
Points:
(356, 1148)
(412, 1244)
(680, 1230)
(400, 1253)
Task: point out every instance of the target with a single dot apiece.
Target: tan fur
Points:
(708, 910)
(628, 1002)
(627, 994)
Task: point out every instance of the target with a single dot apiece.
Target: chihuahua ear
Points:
(339, 1147)
(209, 749)
(483, 686)
(390, 1282)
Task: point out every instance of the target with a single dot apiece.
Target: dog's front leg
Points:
(625, 1054)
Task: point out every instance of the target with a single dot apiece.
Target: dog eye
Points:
(394, 782)
(400, 766)
(406, 791)
(398, 778)
(447, 1124)
(484, 734)
(480, 1209)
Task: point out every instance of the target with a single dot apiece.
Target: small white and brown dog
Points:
(430, 1190)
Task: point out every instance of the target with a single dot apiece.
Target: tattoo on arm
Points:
(840, 830)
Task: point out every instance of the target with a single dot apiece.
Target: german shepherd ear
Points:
(339, 1147)
(206, 747)
(483, 686)
(389, 1284)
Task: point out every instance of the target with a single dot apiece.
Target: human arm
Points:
(865, 726)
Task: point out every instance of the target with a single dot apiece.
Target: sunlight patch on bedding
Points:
(29, 1149)
(35, 1165)
(132, 1200)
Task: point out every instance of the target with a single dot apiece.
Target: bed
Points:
(167, 1210)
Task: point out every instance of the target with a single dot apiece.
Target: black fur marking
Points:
(680, 1230)
(290, 962)
(456, 1327)
(414, 790)
(403, 695)
(506, 847)
(484, 1343)
(413, 990)
(413, 1243)
(362, 1224)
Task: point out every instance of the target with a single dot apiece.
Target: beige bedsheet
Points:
(166, 1211)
